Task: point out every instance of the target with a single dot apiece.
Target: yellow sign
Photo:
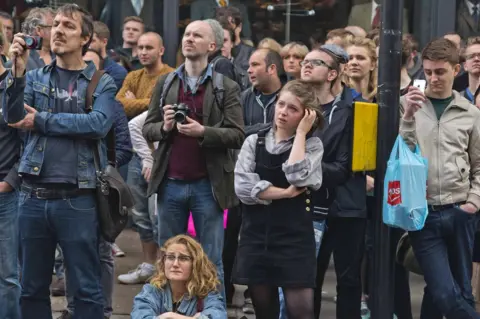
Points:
(364, 144)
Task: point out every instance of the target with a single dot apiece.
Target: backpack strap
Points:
(110, 138)
(218, 88)
(166, 87)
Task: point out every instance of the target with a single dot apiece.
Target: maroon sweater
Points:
(187, 161)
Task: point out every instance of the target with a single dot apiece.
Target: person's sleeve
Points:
(248, 184)
(132, 107)
(307, 172)
(408, 129)
(17, 92)
(123, 142)
(474, 154)
(229, 133)
(213, 307)
(147, 304)
(140, 145)
(153, 127)
(93, 125)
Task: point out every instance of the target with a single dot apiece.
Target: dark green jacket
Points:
(223, 132)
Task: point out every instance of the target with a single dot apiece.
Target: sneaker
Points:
(65, 315)
(248, 306)
(57, 288)
(138, 276)
(117, 252)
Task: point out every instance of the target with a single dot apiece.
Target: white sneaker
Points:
(138, 276)
(116, 251)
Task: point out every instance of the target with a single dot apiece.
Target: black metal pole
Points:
(388, 118)
(170, 31)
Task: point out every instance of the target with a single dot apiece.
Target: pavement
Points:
(124, 294)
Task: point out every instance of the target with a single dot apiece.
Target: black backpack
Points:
(240, 75)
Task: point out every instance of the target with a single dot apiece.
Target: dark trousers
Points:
(443, 249)
(402, 301)
(345, 238)
(234, 223)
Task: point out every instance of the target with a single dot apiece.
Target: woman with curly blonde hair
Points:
(185, 286)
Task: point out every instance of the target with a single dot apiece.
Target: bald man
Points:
(137, 89)
(193, 164)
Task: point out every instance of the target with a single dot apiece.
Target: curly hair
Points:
(203, 278)
(36, 17)
(307, 95)
(371, 91)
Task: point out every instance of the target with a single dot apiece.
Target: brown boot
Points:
(57, 288)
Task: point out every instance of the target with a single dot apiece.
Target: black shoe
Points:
(57, 288)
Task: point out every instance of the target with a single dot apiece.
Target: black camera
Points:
(32, 42)
(181, 112)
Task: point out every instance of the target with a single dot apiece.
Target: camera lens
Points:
(30, 42)
(179, 117)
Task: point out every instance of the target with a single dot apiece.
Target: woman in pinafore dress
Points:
(275, 173)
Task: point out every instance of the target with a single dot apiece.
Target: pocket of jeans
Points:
(464, 212)
(7, 198)
(81, 203)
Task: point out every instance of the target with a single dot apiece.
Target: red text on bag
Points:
(394, 194)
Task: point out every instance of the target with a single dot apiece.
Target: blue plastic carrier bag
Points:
(405, 189)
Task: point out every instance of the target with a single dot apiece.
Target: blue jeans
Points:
(175, 200)
(108, 268)
(9, 285)
(72, 223)
(319, 230)
(443, 249)
(142, 215)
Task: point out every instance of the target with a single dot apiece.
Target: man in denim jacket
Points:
(57, 201)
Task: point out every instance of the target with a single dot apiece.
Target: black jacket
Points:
(222, 65)
(336, 138)
(255, 115)
(241, 55)
(350, 195)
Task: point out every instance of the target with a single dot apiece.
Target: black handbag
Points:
(114, 198)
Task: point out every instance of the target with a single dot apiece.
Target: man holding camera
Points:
(57, 201)
(193, 165)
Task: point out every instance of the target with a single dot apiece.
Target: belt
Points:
(54, 193)
(436, 208)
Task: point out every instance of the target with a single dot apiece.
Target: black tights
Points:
(298, 301)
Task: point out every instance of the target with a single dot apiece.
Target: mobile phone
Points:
(421, 84)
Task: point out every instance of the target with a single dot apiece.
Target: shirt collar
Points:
(87, 72)
(208, 73)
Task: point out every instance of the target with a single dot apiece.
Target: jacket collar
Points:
(207, 73)
(87, 72)
(168, 301)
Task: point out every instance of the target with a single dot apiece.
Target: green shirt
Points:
(439, 105)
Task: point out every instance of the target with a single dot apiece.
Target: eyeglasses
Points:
(472, 56)
(182, 259)
(315, 63)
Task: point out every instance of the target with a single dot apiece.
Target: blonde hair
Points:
(371, 90)
(299, 49)
(269, 43)
(203, 278)
(306, 93)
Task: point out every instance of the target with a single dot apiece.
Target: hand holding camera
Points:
(19, 51)
(179, 114)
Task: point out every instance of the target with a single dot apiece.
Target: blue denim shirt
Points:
(152, 302)
(35, 89)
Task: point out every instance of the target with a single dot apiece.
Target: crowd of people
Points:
(261, 135)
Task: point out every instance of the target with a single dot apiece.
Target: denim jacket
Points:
(151, 302)
(36, 89)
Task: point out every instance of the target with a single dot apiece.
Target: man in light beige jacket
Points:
(447, 129)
